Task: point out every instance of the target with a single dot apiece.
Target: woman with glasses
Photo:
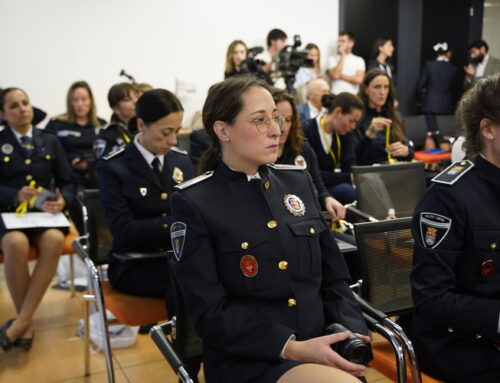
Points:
(32, 164)
(331, 137)
(293, 149)
(258, 266)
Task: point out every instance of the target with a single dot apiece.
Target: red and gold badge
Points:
(249, 266)
(487, 268)
(294, 205)
(300, 161)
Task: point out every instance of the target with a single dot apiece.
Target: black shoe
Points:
(5, 343)
(144, 329)
(24, 343)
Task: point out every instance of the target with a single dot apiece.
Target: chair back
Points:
(100, 240)
(386, 250)
(448, 125)
(382, 187)
(415, 128)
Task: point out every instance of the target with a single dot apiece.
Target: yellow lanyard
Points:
(24, 205)
(125, 135)
(339, 150)
(387, 143)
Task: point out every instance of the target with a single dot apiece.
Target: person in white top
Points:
(346, 71)
(276, 41)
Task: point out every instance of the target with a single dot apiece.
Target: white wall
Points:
(47, 45)
(491, 26)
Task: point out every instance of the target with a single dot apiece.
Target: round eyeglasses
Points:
(263, 123)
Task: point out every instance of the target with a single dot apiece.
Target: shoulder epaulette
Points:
(195, 180)
(454, 172)
(113, 154)
(176, 149)
(285, 167)
(104, 127)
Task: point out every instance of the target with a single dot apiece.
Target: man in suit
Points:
(316, 88)
(481, 62)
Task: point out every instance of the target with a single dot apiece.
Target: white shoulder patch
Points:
(454, 172)
(285, 167)
(176, 149)
(113, 154)
(195, 180)
(106, 126)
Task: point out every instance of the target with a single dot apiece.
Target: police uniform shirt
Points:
(456, 274)
(47, 165)
(257, 264)
(111, 137)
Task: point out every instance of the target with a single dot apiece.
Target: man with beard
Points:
(481, 63)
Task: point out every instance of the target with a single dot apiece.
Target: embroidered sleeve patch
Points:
(433, 229)
(178, 236)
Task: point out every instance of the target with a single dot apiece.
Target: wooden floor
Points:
(57, 353)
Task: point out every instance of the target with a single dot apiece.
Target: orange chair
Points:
(130, 310)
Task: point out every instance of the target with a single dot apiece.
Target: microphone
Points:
(125, 74)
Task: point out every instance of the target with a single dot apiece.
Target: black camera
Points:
(290, 59)
(353, 348)
(252, 65)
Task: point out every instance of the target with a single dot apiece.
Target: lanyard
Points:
(339, 150)
(124, 134)
(23, 206)
(387, 139)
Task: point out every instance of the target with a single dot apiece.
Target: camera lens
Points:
(353, 348)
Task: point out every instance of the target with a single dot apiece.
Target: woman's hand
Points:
(376, 125)
(335, 208)
(318, 350)
(79, 164)
(56, 206)
(26, 193)
(397, 149)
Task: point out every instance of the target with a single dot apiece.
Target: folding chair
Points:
(130, 310)
(416, 130)
(382, 187)
(185, 344)
(386, 250)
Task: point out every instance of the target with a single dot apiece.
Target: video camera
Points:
(290, 59)
(253, 66)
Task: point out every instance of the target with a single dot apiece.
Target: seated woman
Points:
(29, 156)
(77, 130)
(456, 227)
(135, 187)
(294, 150)
(236, 54)
(331, 137)
(381, 136)
(121, 98)
(258, 267)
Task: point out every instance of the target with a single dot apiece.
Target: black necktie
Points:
(156, 169)
(27, 144)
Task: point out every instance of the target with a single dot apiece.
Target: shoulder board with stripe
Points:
(453, 173)
(195, 180)
(285, 167)
(176, 149)
(113, 153)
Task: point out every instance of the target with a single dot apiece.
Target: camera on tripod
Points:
(290, 60)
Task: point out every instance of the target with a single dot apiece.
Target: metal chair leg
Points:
(71, 276)
(87, 299)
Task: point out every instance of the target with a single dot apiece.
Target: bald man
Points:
(315, 90)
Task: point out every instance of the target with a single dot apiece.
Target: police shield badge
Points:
(294, 205)
(300, 161)
(178, 236)
(99, 147)
(433, 229)
(143, 191)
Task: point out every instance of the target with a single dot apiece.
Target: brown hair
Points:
(229, 55)
(397, 132)
(345, 101)
(119, 92)
(482, 101)
(295, 138)
(316, 66)
(223, 103)
(70, 116)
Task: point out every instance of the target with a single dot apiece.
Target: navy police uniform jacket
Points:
(47, 166)
(456, 274)
(137, 206)
(111, 137)
(257, 263)
(78, 142)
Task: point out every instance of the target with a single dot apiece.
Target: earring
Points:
(227, 140)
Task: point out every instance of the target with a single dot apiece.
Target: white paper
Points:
(34, 220)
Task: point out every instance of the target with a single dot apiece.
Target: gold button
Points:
(163, 195)
(283, 265)
(267, 185)
(312, 231)
(493, 246)
(478, 336)
(450, 329)
(244, 245)
(163, 214)
(27, 161)
(292, 302)
(165, 225)
(29, 177)
(48, 157)
(6, 159)
(272, 224)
